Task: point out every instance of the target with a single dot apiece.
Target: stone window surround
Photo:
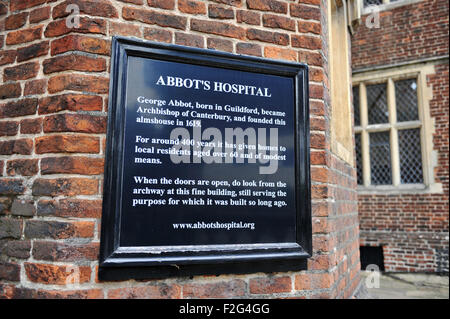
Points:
(419, 71)
(387, 5)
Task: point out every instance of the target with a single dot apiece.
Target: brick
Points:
(83, 43)
(268, 5)
(74, 62)
(318, 158)
(271, 285)
(160, 35)
(77, 82)
(280, 54)
(23, 36)
(21, 72)
(20, 4)
(319, 191)
(24, 167)
(65, 186)
(314, 2)
(125, 29)
(33, 51)
(161, 291)
(35, 87)
(10, 90)
(236, 3)
(133, 1)
(86, 25)
(154, 17)
(82, 123)
(321, 209)
(80, 208)
(20, 146)
(40, 229)
(9, 271)
(69, 294)
(305, 12)
(16, 248)
(5, 205)
(220, 44)
(72, 165)
(55, 251)
(306, 42)
(275, 21)
(248, 49)
(67, 144)
(315, 91)
(316, 75)
(8, 128)
(31, 126)
(302, 282)
(10, 228)
(313, 58)
(14, 292)
(268, 36)
(17, 108)
(312, 27)
(192, 6)
(56, 275)
(7, 56)
(187, 39)
(39, 14)
(220, 12)
(21, 207)
(317, 124)
(322, 281)
(248, 17)
(16, 21)
(223, 289)
(163, 4)
(218, 28)
(3, 9)
(70, 102)
(99, 8)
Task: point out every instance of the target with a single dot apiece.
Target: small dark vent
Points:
(371, 256)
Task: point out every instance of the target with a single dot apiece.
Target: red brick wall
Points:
(53, 112)
(406, 33)
(412, 228)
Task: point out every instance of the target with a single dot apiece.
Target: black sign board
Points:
(207, 164)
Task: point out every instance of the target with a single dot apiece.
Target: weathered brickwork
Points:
(412, 228)
(53, 111)
(406, 33)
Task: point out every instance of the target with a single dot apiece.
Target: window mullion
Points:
(395, 161)
(364, 135)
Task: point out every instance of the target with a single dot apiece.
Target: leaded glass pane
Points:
(380, 158)
(372, 2)
(356, 105)
(358, 159)
(406, 100)
(410, 156)
(377, 103)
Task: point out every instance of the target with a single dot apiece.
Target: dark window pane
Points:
(410, 156)
(406, 100)
(377, 103)
(358, 159)
(356, 105)
(372, 2)
(380, 158)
